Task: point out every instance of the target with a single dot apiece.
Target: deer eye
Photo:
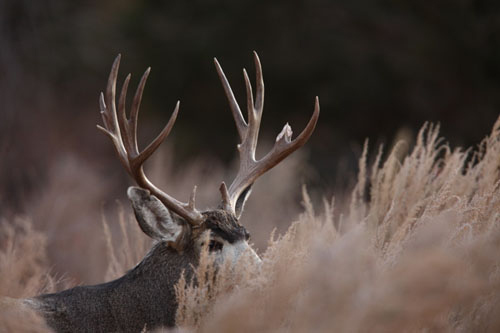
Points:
(215, 246)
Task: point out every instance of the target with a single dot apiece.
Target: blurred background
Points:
(380, 68)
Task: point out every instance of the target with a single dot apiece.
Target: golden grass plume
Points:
(416, 250)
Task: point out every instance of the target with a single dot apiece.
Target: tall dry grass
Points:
(23, 272)
(414, 249)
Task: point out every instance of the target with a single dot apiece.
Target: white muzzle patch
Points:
(233, 252)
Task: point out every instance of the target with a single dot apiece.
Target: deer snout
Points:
(240, 249)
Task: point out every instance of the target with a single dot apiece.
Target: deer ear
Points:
(240, 203)
(153, 217)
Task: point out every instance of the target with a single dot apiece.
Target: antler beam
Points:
(250, 168)
(123, 134)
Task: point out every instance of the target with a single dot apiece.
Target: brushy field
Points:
(414, 247)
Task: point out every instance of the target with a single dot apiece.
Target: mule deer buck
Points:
(145, 295)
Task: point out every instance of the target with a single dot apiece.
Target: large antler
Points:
(250, 168)
(123, 134)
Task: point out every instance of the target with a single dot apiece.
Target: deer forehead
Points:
(223, 224)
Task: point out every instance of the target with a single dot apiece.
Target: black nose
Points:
(247, 235)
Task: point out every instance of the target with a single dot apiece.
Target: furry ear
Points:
(153, 217)
(240, 203)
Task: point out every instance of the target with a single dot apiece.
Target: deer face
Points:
(227, 238)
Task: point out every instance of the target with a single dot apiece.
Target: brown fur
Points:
(223, 224)
(145, 296)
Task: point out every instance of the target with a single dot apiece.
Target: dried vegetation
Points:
(415, 249)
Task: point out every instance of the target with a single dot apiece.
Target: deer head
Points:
(179, 224)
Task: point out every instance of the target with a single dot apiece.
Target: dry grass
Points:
(23, 273)
(68, 208)
(128, 250)
(415, 249)
(419, 253)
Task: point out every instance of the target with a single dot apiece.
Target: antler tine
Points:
(136, 103)
(150, 149)
(249, 144)
(123, 134)
(110, 94)
(250, 168)
(108, 114)
(259, 97)
(226, 200)
(250, 105)
(122, 115)
(284, 146)
(254, 113)
(241, 125)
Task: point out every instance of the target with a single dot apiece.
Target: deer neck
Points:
(163, 264)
